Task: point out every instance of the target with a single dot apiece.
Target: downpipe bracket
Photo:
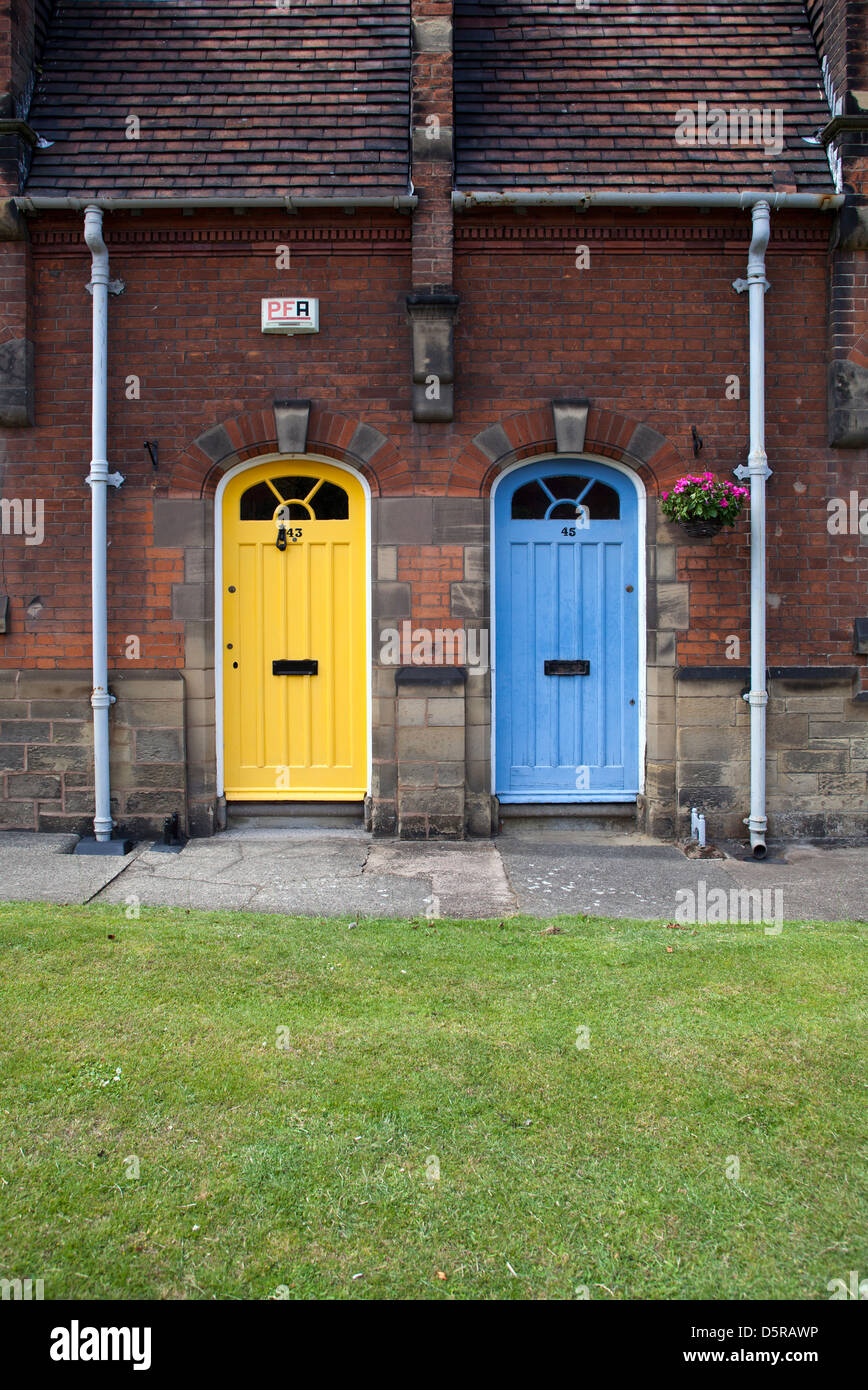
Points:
(113, 479)
(746, 471)
(741, 285)
(113, 286)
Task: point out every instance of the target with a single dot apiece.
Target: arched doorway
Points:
(568, 588)
(292, 618)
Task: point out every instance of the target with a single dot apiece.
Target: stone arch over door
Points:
(573, 428)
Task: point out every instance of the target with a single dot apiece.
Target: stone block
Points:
(814, 760)
(430, 745)
(789, 731)
(832, 706)
(445, 711)
(477, 742)
(25, 731)
(476, 563)
(661, 742)
(158, 746)
(61, 709)
(661, 649)
(711, 711)
(712, 745)
(27, 784)
(661, 681)
(429, 801)
(458, 521)
(404, 520)
(64, 731)
(58, 757)
(18, 815)
(199, 685)
(150, 714)
(848, 405)
(16, 383)
(644, 443)
(570, 425)
(199, 645)
(669, 607)
(216, 444)
(291, 424)
(468, 600)
(391, 600)
(12, 756)
(493, 442)
(387, 563)
(179, 522)
(366, 442)
(385, 779)
(843, 785)
(190, 601)
(432, 35)
(383, 743)
(665, 564)
(478, 775)
(160, 803)
(410, 711)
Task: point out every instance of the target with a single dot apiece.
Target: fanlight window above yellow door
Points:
(295, 499)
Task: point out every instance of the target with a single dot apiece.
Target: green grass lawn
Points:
(309, 1168)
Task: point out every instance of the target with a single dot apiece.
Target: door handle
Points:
(295, 668)
(567, 668)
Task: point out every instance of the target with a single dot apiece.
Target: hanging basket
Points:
(702, 530)
(702, 505)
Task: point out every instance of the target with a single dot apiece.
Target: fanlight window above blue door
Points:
(563, 498)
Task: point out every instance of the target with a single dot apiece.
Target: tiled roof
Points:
(552, 95)
(308, 99)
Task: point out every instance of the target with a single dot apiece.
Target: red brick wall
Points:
(649, 331)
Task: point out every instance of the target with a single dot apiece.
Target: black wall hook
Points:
(153, 449)
(697, 441)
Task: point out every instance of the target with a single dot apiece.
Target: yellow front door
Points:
(294, 624)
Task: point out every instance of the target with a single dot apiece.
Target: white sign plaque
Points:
(299, 314)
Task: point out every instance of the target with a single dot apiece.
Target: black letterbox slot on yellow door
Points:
(295, 668)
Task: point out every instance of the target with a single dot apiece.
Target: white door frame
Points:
(218, 594)
(641, 528)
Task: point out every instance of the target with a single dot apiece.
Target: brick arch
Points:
(531, 432)
(199, 468)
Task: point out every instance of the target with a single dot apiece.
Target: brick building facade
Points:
(460, 340)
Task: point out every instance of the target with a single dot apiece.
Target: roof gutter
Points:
(821, 202)
(39, 203)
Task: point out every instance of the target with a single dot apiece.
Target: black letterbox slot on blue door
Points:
(567, 668)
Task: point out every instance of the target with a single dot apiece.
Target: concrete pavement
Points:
(540, 870)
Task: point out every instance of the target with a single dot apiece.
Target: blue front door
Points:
(566, 661)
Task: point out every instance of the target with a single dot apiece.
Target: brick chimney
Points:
(432, 305)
